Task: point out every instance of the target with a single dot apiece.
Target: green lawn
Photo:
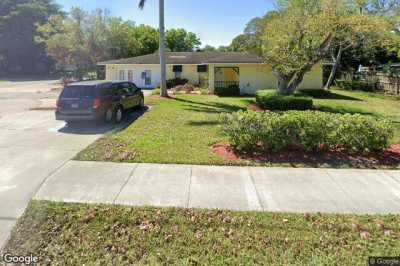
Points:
(78, 234)
(181, 130)
(173, 131)
(368, 103)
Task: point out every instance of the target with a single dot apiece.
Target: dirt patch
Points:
(106, 149)
(158, 97)
(225, 151)
(255, 107)
(390, 158)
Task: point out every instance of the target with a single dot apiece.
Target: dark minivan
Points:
(98, 100)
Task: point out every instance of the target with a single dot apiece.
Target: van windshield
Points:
(79, 91)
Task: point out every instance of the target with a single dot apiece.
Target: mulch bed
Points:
(255, 107)
(389, 158)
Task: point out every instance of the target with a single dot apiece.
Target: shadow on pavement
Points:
(95, 128)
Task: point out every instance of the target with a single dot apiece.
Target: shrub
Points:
(306, 130)
(271, 100)
(243, 129)
(204, 91)
(228, 91)
(156, 91)
(187, 88)
(355, 85)
(171, 83)
(360, 133)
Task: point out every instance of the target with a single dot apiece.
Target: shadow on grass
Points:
(327, 95)
(210, 107)
(204, 123)
(342, 110)
(94, 128)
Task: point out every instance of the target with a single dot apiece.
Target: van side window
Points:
(134, 88)
(126, 88)
(115, 88)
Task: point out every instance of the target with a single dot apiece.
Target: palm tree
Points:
(163, 84)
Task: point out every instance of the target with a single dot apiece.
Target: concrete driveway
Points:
(33, 145)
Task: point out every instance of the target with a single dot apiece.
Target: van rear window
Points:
(79, 91)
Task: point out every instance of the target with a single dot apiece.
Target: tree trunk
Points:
(163, 84)
(283, 82)
(334, 69)
(287, 85)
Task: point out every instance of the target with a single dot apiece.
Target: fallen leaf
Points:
(387, 232)
(365, 235)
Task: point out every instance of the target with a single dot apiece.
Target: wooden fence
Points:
(382, 82)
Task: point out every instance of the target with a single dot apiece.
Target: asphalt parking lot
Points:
(33, 145)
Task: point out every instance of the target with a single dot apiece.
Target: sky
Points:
(216, 22)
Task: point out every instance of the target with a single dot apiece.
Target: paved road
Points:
(223, 187)
(33, 145)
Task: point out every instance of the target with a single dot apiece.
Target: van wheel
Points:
(119, 115)
(109, 115)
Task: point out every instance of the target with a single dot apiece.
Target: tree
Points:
(246, 43)
(294, 40)
(125, 39)
(78, 41)
(208, 48)
(251, 39)
(163, 85)
(366, 36)
(19, 53)
(356, 30)
(120, 40)
(179, 40)
(148, 39)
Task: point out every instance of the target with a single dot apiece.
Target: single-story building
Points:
(219, 69)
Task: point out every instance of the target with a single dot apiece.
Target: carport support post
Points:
(211, 79)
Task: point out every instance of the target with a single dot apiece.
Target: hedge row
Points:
(306, 130)
(271, 100)
(227, 91)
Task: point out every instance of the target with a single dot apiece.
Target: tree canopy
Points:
(82, 39)
(35, 35)
(18, 50)
(303, 33)
(179, 40)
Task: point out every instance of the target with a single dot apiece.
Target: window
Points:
(202, 68)
(177, 68)
(130, 75)
(80, 91)
(122, 75)
(146, 75)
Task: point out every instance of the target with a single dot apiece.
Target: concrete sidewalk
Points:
(235, 188)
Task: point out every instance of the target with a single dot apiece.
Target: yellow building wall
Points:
(189, 72)
(258, 77)
(252, 77)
